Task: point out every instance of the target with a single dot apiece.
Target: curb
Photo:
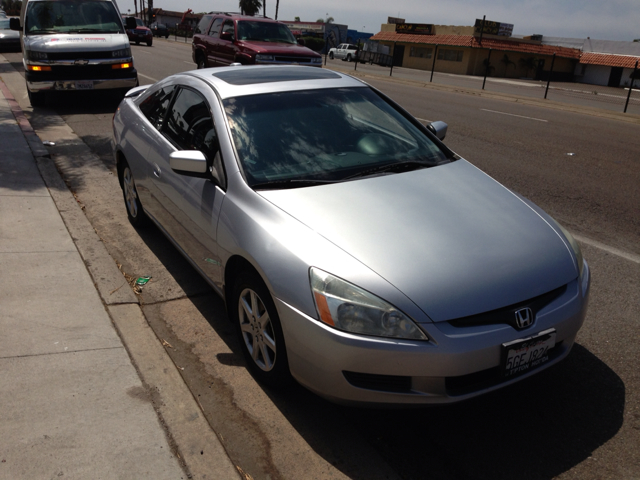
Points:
(196, 445)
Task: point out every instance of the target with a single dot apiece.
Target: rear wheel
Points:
(135, 212)
(349, 58)
(258, 327)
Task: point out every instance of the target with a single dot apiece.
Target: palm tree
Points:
(506, 62)
(250, 7)
(529, 63)
(327, 20)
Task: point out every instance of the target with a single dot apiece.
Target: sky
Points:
(597, 19)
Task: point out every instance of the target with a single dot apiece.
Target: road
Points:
(580, 419)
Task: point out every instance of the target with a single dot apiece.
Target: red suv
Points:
(221, 39)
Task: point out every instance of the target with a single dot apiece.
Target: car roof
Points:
(239, 81)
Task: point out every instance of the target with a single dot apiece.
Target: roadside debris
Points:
(136, 283)
(166, 344)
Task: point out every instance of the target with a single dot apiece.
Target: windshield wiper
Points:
(42, 30)
(293, 183)
(397, 167)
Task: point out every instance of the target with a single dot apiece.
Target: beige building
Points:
(456, 50)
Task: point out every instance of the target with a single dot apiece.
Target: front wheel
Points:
(135, 212)
(202, 63)
(149, 43)
(331, 55)
(258, 327)
(36, 98)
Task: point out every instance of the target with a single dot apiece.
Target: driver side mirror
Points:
(439, 129)
(226, 36)
(131, 23)
(14, 24)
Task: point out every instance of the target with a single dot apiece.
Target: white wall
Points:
(595, 75)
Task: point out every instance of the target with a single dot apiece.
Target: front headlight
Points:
(574, 245)
(122, 53)
(264, 58)
(316, 60)
(352, 309)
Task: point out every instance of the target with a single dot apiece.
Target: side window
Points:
(203, 24)
(228, 27)
(155, 105)
(189, 125)
(214, 31)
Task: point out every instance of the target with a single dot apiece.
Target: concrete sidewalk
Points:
(72, 404)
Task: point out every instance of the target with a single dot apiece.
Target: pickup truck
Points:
(344, 51)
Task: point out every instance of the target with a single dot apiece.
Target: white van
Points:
(74, 45)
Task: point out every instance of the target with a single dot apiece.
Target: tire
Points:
(137, 42)
(349, 58)
(202, 63)
(37, 99)
(149, 43)
(259, 331)
(135, 212)
(331, 55)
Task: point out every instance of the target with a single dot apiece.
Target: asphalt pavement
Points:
(74, 401)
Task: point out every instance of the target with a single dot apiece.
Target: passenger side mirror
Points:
(439, 129)
(130, 23)
(227, 36)
(192, 163)
(14, 24)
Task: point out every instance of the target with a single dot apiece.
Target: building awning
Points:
(469, 41)
(609, 60)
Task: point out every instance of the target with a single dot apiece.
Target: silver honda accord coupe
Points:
(355, 252)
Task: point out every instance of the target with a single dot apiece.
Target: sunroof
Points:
(250, 76)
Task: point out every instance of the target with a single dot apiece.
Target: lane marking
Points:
(150, 78)
(514, 115)
(632, 257)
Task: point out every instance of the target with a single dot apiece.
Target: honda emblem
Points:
(524, 317)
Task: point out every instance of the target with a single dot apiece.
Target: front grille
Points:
(76, 55)
(285, 59)
(506, 315)
(382, 383)
(491, 377)
(140, 32)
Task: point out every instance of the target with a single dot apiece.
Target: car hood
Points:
(278, 48)
(452, 239)
(76, 42)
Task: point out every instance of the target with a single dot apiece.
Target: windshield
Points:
(323, 135)
(72, 17)
(139, 22)
(265, 32)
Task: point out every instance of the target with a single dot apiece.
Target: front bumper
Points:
(459, 363)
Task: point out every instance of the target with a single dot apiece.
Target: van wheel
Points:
(36, 98)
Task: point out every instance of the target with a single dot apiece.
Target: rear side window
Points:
(155, 106)
(203, 24)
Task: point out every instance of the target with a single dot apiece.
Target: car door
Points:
(227, 48)
(340, 51)
(190, 206)
(212, 42)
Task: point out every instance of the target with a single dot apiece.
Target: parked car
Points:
(71, 45)
(354, 250)
(344, 51)
(222, 39)
(9, 39)
(141, 33)
(159, 30)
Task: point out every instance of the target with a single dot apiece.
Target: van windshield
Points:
(72, 17)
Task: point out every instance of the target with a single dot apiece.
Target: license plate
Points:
(526, 354)
(84, 85)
